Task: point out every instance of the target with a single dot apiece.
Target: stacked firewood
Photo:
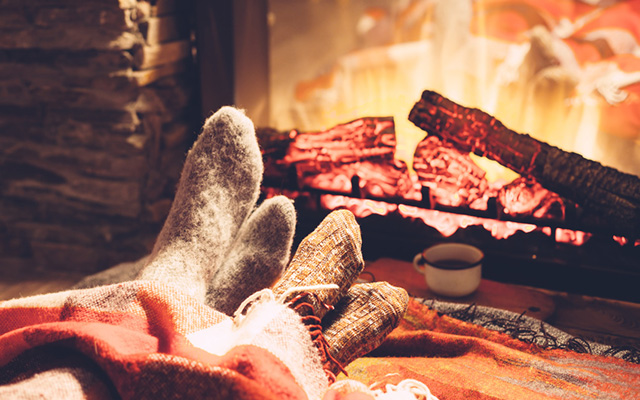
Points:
(95, 116)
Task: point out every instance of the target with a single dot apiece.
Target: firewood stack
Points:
(96, 113)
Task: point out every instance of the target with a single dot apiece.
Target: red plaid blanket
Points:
(128, 341)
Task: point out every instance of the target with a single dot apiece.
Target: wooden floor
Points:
(605, 321)
(610, 322)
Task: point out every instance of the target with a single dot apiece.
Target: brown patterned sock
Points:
(362, 320)
(218, 188)
(258, 256)
(331, 254)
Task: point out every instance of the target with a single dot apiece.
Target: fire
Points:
(534, 66)
(535, 70)
(352, 166)
(571, 237)
(446, 223)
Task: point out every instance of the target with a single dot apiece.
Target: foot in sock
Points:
(258, 256)
(331, 254)
(218, 188)
(362, 320)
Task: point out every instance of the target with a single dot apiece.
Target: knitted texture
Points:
(284, 336)
(258, 256)
(363, 319)
(128, 341)
(255, 261)
(218, 188)
(331, 254)
(273, 326)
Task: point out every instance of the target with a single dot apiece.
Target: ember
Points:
(452, 177)
(357, 157)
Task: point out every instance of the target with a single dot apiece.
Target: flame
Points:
(622, 241)
(576, 238)
(524, 64)
(448, 223)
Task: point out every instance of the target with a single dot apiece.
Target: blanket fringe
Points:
(404, 390)
(407, 389)
(312, 322)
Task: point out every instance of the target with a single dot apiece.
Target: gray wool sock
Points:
(257, 258)
(218, 188)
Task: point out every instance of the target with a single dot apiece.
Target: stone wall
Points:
(96, 113)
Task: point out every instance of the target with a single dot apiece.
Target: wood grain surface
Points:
(610, 322)
(514, 298)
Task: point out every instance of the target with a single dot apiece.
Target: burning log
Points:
(330, 159)
(527, 197)
(364, 138)
(609, 199)
(452, 177)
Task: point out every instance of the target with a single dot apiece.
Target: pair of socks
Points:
(215, 245)
(348, 320)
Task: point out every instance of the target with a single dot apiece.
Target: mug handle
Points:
(418, 263)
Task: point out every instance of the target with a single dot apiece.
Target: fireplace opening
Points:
(342, 78)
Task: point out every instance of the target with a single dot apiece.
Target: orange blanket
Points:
(128, 341)
(460, 360)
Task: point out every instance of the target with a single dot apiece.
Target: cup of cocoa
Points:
(450, 269)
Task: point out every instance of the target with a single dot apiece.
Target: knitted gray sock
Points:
(218, 188)
(258, 256)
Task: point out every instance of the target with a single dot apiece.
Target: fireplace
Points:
(331, 73)
(98, 109)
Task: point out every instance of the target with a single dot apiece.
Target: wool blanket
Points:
(129, 341)
(462, 360)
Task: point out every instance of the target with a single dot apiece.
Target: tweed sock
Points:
(218, 188)
(362, 320)
(258, 256)
(331, 254)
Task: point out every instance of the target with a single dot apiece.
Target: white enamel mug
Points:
(451, 269)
